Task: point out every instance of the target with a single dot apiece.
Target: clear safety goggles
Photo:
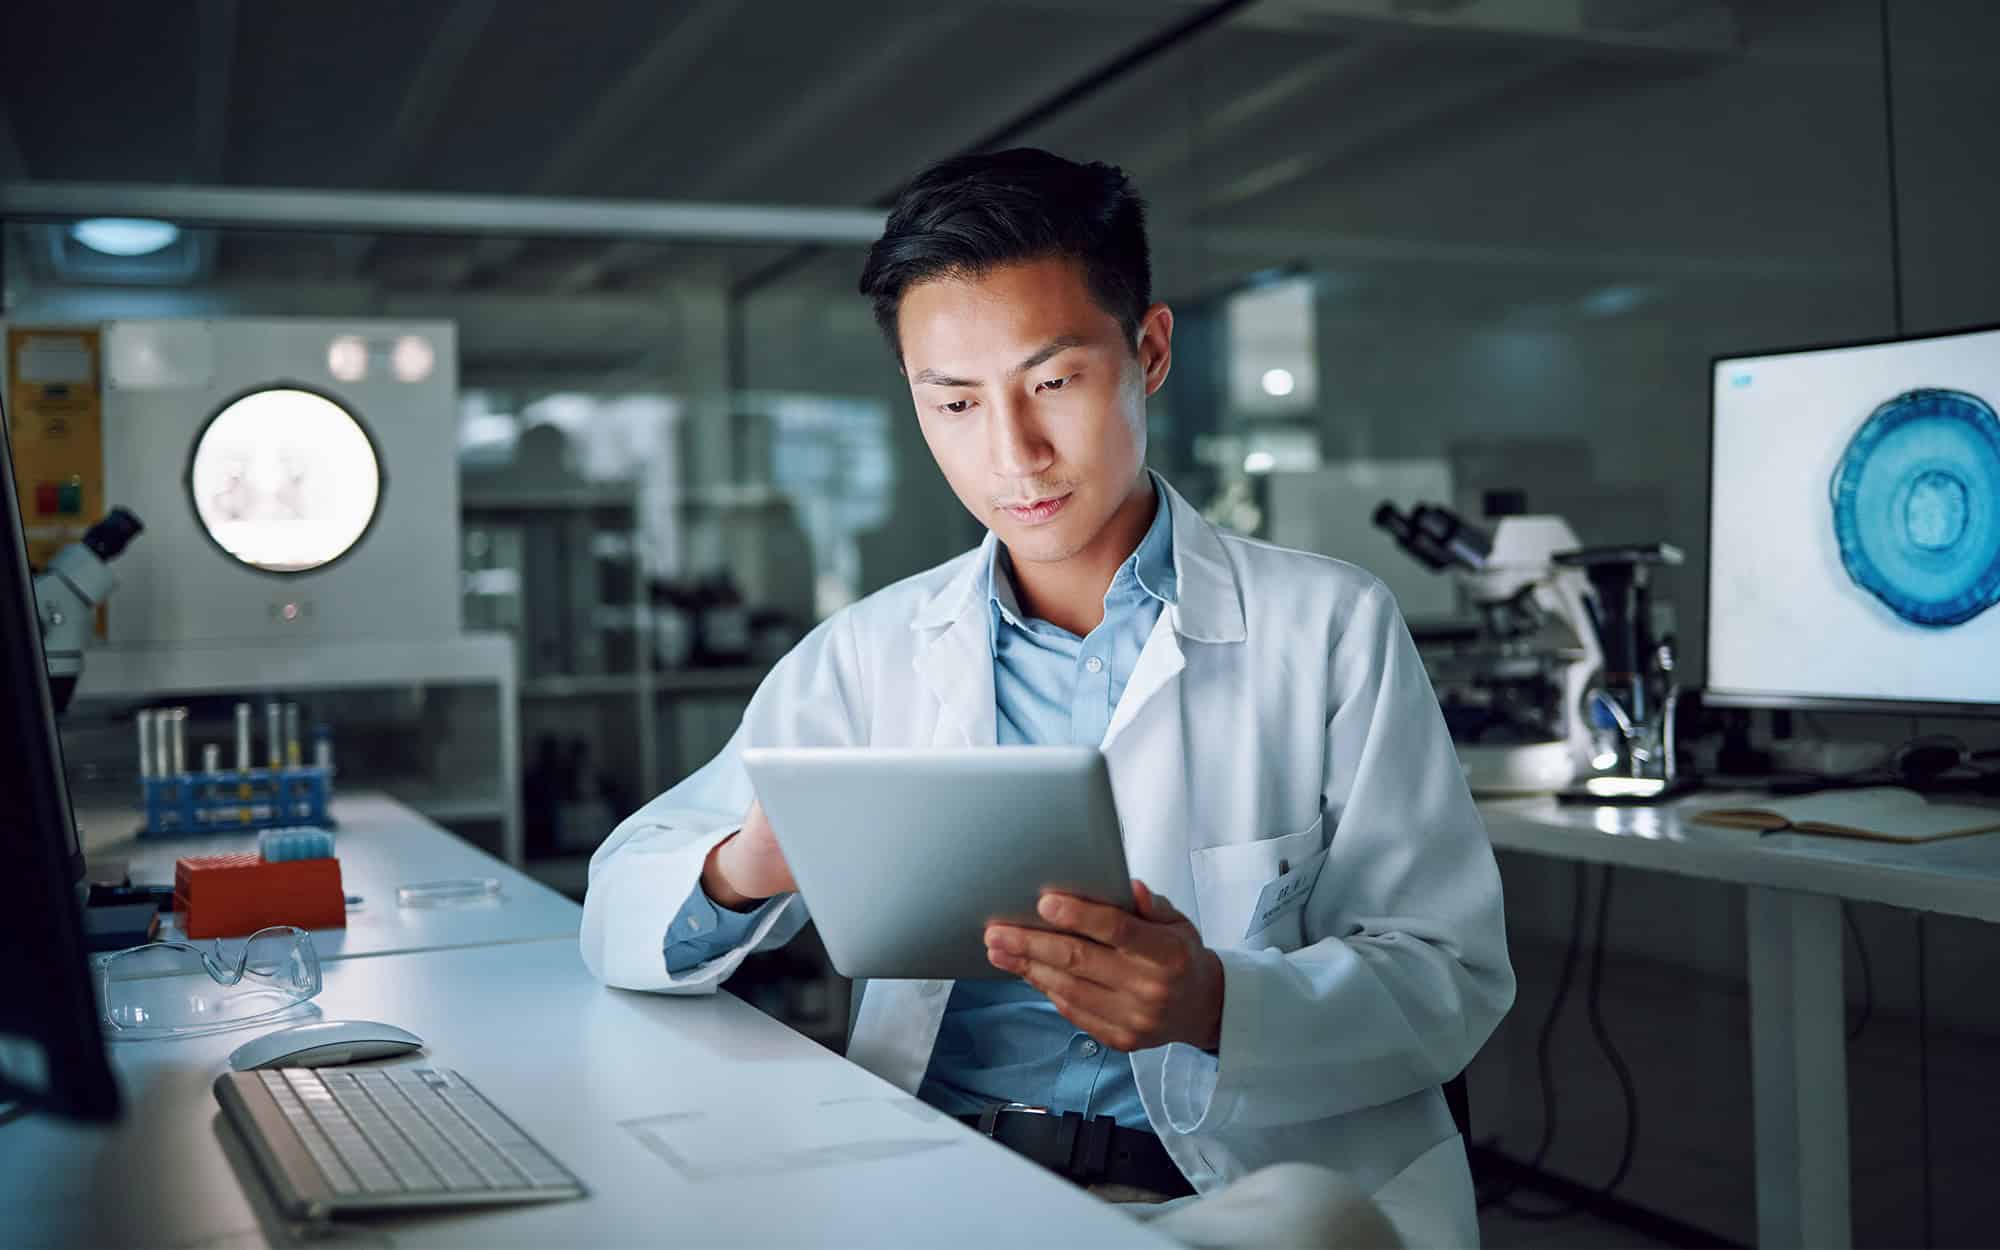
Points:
(178, 989)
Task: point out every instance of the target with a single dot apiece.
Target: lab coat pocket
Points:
(1230, 880)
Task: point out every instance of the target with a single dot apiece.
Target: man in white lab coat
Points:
(1263, 712)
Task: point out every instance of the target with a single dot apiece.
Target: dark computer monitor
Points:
(51, 1051)
(1854, 527)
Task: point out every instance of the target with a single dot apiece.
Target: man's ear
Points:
(1156, 346)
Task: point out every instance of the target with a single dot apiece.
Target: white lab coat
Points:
(1277, 714)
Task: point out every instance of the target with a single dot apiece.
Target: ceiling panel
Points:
(98, 89)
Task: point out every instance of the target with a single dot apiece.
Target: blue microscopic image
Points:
(1916, 507)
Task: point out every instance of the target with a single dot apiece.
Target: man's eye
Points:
(955, 406)
(1055, 384)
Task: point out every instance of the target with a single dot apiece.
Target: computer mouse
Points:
(324, 1043)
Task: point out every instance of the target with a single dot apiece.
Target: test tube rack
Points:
(178, 800)
(233, 801)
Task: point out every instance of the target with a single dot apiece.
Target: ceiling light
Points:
(1611, 301)
(1278, 382)
(125, 236)
(1259, 462)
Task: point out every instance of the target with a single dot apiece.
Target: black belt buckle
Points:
(1081, 1149)
(989, 1119)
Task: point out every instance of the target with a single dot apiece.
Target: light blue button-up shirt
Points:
(1003, 1041)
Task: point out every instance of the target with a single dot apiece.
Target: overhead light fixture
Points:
(125, 236)
(1613, 301)
(1278, 383)
(1259, 462)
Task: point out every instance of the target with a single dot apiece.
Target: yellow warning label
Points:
(55, 421)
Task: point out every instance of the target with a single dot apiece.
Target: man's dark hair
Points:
(964, 216)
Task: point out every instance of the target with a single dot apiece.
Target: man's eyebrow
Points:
(1062, 343)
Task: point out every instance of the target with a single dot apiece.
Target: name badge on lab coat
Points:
(1285, 894)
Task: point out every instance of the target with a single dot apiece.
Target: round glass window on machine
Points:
(285, 480)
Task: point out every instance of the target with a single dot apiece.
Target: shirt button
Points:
(1089, 1047)
(1094, 664)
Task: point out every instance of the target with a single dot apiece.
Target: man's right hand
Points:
(747, 867)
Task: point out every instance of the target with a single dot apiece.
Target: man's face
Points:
(1033, 400)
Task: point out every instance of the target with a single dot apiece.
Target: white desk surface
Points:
(381, 845)
(1953, 876)
(583, 1069)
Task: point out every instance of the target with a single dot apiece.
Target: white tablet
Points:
(904, 855)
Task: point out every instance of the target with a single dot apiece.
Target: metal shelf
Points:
(592, 686)
(475, 658)
(549, 498)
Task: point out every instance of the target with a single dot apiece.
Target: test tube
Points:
(273, 735)
(293, 757)
(177, 740)
(146, 730)
(243, 737)
(211, 764)
(323, 746)
(163, 747)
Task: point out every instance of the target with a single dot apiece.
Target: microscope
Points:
(78, 578)
(1560, 686)
(1635, 700)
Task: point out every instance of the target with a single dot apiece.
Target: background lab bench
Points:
(1798, 1032)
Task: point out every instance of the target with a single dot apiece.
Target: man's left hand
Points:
(1130, 981)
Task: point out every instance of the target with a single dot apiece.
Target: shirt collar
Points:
(1150, 567)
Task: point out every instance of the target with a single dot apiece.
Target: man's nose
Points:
(1015, 446)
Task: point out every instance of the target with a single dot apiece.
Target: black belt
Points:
(1089, 1152)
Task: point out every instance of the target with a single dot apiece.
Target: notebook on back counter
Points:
(1882, 813)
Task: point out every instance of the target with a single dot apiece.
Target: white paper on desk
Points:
(704, 1145)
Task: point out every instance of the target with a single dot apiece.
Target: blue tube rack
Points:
(236, 802)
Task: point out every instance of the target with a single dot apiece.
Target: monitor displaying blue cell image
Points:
(1854, 556)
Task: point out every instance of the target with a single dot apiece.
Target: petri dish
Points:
(462, 892)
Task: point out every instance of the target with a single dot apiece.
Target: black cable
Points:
(1543, 1064)
(1924, 1082)
(1867, 1011)
(1593, 1001)
(1628, 1089)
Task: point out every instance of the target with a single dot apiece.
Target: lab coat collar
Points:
(1208, 606)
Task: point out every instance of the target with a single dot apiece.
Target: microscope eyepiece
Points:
(108, 537)
(1463, 542)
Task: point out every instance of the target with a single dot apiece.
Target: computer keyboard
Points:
(336, 1140)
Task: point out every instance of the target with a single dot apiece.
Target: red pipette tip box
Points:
(236, 895)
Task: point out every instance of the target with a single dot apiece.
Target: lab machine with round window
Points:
(298, 480)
